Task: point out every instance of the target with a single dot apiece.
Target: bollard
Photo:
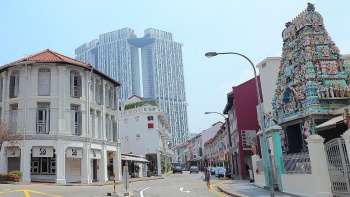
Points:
(114, 181)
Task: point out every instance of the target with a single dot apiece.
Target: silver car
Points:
(193, 169)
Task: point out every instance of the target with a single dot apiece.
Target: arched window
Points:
(75, 84)
(44, 82)
(14, 84)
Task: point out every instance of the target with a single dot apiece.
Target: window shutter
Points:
(115, 99)
(48, 121)
(115, 132)
(72, 122)
(79, 122)
(97, 92)
(111, 97)
(37, 121)
(16, 84)
(101, 94)
(72, 85)
(12, 86)
(79, 86)
(106, 96)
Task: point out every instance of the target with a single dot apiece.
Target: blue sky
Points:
(252, 28)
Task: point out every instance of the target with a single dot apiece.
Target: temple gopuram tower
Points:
(313, 80)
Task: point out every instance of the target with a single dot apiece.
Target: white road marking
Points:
(182, 190)
(141, 192)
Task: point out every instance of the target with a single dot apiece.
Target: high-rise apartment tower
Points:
(117, 54)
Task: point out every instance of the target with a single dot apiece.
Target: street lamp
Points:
(261, 114)
(229, 139)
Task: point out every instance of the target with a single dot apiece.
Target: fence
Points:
(298, 163)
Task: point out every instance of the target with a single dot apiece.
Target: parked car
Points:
(193, 169)
(220, 170)
(212, 170)
(224, 173)
(177, 169)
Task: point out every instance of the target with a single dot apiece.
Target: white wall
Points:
(268, 71)
(298, 184)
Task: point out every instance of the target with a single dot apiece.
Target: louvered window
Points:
(76, 120)
(75, 82)
(14, 84)
(43, 118)
(13, 117)
(107, 96)
(44, 82)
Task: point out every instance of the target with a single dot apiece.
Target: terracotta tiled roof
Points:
(49, 56)
(135, 96)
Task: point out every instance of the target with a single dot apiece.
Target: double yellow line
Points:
(26, 192)
(212, 190)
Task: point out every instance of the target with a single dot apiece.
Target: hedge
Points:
(12, 176)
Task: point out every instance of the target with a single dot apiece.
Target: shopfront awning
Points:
(329, 124)
(138, 159)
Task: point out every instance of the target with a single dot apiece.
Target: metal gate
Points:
(338, 167)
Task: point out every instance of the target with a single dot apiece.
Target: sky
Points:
(252, 28)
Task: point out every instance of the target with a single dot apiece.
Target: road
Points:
(174, 185)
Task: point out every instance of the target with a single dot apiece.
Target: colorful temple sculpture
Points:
(312, 81)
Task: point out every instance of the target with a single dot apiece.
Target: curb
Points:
(231, 192)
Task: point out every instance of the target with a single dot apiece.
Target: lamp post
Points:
(261, 114)
(229, 139)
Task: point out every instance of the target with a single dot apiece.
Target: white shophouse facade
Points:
(145, 131)
(67, 113)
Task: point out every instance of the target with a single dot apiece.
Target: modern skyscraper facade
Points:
(120, 53)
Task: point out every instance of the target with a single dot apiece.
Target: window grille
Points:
(43, 165)
(75, 81)
(76, 120)
(44, 82)
(43, 118)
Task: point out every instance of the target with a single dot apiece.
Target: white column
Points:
(4, 161)
(103, 112)
(159, 165)
(61, 93)
(86, 166)
(322, 183)
(61, 162)
(117, 164)
(25, 162)
(102, 175)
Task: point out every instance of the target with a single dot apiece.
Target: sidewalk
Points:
(243, 188)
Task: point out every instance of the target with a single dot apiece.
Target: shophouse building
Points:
(66, 112)
(217, 149)
(145, 131)
(241, 109)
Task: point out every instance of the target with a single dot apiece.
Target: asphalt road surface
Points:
(174, 185)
